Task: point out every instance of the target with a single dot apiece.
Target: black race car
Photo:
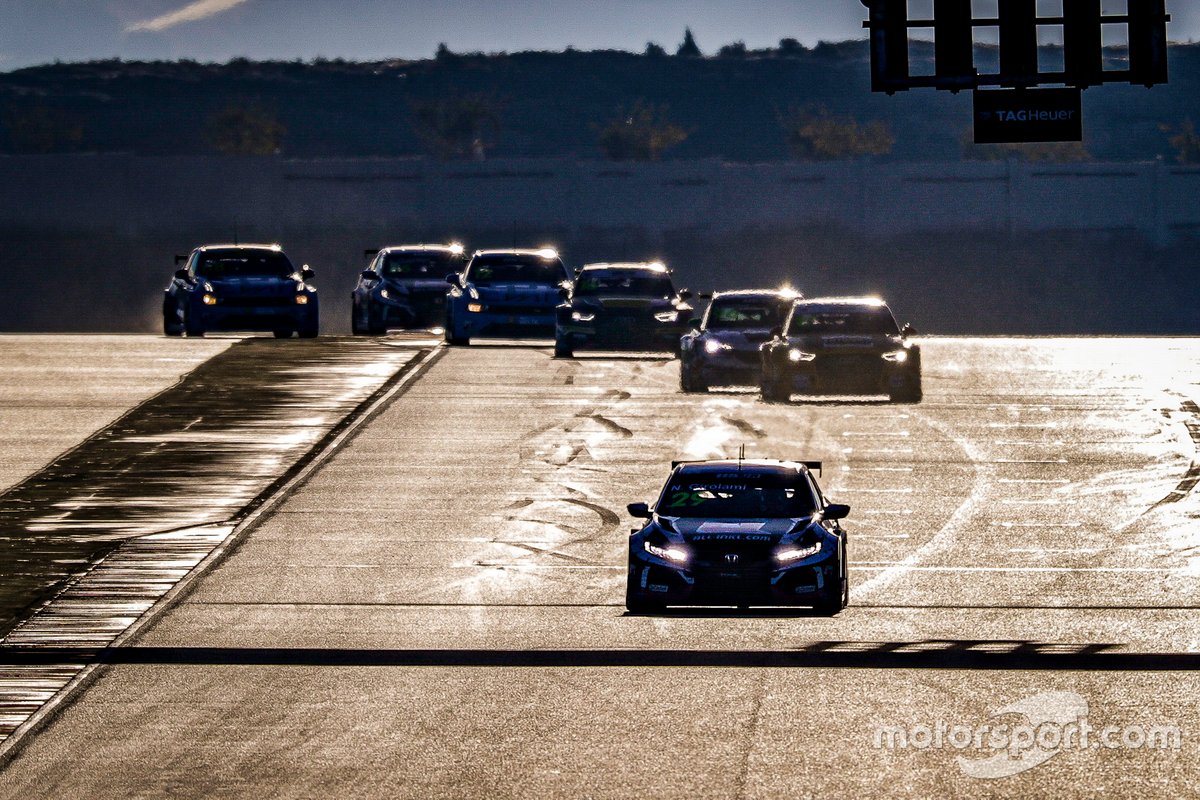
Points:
(722, 350)
(403, 287)
(622, 307)
(739, 533)
(240, 287)
(841, 345)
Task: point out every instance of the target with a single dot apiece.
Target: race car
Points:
(722, 349)
(842, 345)
(403, 287)
(241, 287)
(739, 533)
(622, 307)
(507, 293)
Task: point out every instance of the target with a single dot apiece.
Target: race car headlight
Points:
(898, 357)
(384, 294)
(582, 316)
(301, 299)
(800, 355)
(209, 299)
(668, 553)
(475, 308)
(667, 316)
(791, 553)
(712, 347)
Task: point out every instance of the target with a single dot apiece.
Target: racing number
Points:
(682, 499)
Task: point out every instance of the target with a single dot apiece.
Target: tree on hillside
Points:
(817, 135)
(41, 130)
(688, 47)
(735, 50)
(1185, 140)
(642, 134)
(655, 50)
(790, 47)
(459, 126)
(246, 129)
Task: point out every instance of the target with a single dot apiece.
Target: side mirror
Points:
(685, 294)
(639, 510)
(836, 511)
(455, 280)
(369, 274)
(705, 295)
(183, 274)
(908, 330)
(565, 294)
(307, 273)
(777, 332)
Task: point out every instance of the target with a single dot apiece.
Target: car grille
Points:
(518, 310)
(257, 302)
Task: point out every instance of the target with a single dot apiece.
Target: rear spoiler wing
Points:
(812, 466)
(371, 253)
(179, 259)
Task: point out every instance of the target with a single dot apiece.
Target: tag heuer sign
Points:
(1028, 115)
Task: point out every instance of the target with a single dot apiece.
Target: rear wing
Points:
(369, 253)
(812, 466)
(179, 259)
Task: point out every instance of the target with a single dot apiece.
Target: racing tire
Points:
(375, 326)
(640, 605)
(190, 329)
(283, 333)
(830, 606)
(689, 382)
(909, 393)
(563, 349)
(308, 333)
(774, 392)
(355, 328)
(172, 327)
(454, 340)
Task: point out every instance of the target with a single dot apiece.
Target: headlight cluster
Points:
(667, 316)
(475, 308)
(793, 553)
(712, 347)
(799, 355)
(582, 316)
(209, 299)
(301, 299)
(898, 357)
(667, 553)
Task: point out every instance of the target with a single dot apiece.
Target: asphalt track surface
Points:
(435, 610)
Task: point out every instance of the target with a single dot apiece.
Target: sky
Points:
(41, 31)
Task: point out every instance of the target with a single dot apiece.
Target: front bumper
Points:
(522, 323)
(763, 582)
(728, 368)
(623, 334)
(249, 316)
(411, 311)
(845, 374)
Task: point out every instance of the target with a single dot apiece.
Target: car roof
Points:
(421, 248)
(758, 466)
(759, 294)
(544, 252)
(632, 266)
(204, 248)
(835, 303)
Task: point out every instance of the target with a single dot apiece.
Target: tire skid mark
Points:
(1191, 478)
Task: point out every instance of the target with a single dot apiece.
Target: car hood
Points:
(743, 530)
(749, 339)
(256, 287)
(535, 293)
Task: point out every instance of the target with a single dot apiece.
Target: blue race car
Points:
(739, 533)
(403, 287)
(622, 307)
(240, 288)
(506, 293)
(722, 350)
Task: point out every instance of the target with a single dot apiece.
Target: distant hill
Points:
(548, 104)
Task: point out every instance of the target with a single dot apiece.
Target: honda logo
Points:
(731, 558)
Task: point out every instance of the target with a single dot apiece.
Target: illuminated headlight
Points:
(797, 553)
(667, 316)
(667, 553)
(209, 299)
(384, 294)
(580, 316)
(712, 347)
(898, 357)
(301, 299)
(800, 355)
(475, 308)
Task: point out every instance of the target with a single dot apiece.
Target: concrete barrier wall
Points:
(128, 194)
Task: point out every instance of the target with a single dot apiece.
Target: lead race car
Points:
(739, 532)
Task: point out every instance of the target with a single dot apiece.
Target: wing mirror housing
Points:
(685, 294)
(908, 330)
(777, 332)
(183, 274)
(836, 511)
(307, 273)
(455, 280)
(639, 510)
(369, 274)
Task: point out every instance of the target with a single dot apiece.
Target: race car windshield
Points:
(858, 320)
(609, 284)
(220, 266)
(419, 265)
(743, 315)
(516, 269)
(736, 495)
